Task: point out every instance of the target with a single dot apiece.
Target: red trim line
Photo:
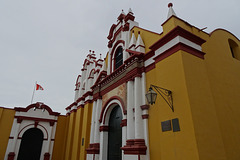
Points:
(114, 38)
(106, 104)
(29, 128)
(145, 116)
(145, 107)
(39, 106)
(103, 128)
(114, 50)
(46, 156)
(177, 31)
(177, 47)
(148, 55)
(11, 156)
(110, 35)
(140, 46)
(150, 67)
(93, 148)
(135, 147)
(129, 17)
(35, 119)
(123, 123)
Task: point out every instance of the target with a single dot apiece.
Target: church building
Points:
(155, 96)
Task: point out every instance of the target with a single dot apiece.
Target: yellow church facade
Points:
(196, 76)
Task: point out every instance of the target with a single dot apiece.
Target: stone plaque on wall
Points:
(166, 125)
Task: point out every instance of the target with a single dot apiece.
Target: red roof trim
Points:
(37, 105)
(177, 31)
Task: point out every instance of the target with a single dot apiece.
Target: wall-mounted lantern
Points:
(164, 93)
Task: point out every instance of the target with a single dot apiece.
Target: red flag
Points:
(38, 87)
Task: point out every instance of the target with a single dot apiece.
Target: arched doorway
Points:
(31, 145)
(115, 134)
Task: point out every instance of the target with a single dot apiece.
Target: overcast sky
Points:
(48, 40)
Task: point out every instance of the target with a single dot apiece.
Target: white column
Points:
(103, 145)
(145, 121)
(109, 62)
(49, 140)
(124, 136)
(125, 38)
(138, 110)
(15, 136)
(130, 114)
(97, 123)
(52, 137)
(93, 122)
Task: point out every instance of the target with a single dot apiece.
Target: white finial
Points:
(140, 47)
(130, 11)
(171, 11)
(132, 43)
(123, 12)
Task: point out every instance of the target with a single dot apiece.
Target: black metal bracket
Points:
(165, 94)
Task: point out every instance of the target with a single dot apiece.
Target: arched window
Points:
(118, 57)
(234, 49)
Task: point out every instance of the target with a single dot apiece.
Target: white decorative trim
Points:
(19, 128)
(169, 45)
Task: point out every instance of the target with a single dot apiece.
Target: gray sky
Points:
(48, 40)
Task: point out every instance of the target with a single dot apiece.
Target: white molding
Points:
(169, 45)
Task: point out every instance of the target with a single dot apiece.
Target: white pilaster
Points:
(145, 112)
(47, 149)
(130, 114)
(138, 110)
(93, 122)
(124, 133)
(15, 137)
(103, 145)
(97, 124)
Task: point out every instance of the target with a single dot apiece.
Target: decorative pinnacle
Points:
(170, 5)
(130, 11)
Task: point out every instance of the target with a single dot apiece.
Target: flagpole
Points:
(34, 88)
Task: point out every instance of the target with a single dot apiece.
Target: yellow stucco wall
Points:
(224, 75)
(181, 145)
(86, 129)
(71, 125)
(6, 121)
(205, 96)
(60, 138)
(77, 134)
(148, 37)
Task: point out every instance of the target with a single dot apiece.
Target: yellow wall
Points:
(205, 99)
(86, 128)
(6, 121)
(60, 138)
(224, 75)
(149, 38)
(78, 129)
(77, 134)
(181, 145)
(71, 125)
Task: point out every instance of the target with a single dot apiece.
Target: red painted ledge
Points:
(135, 147)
